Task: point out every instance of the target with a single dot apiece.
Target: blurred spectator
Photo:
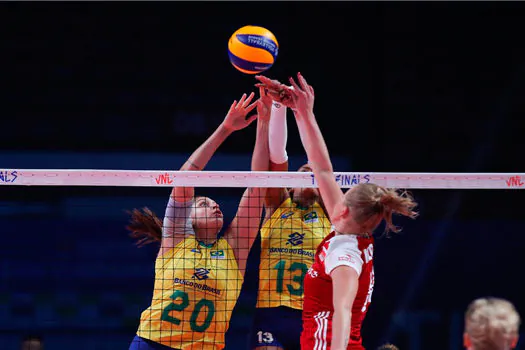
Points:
(32, 342)
(491, 324)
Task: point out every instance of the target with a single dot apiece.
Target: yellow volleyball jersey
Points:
(289, 240)
(196, 288)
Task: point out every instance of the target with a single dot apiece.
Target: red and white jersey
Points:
(336, 250)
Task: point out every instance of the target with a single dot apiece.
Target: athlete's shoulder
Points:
(319, 207)
(334, 243)
(183, 244)
(286, 203)
(343, 250)
(285, 210)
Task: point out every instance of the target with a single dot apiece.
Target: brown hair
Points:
(368, 200)
(145, 226)
(491, 324)
(388, 347)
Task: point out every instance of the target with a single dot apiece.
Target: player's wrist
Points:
(225, 128)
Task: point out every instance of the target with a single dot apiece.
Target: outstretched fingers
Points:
(303, 83)
(297, 91)
(232, 107)
(241, 101)
(249, 99)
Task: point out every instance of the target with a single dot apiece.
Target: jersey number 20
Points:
(181, 302)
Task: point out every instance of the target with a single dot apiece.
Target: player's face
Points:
(306, 193)
(207, 214)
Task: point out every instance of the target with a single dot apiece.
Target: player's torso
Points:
(318, 303)
(196, 288)
(289, 240)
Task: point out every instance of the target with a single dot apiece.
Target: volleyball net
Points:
(72, 265)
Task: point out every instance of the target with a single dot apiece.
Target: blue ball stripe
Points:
(260, 42)
(247, 65)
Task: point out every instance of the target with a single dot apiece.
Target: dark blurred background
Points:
(400, 87)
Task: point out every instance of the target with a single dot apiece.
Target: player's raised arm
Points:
(277, 138)
(146, 227)
(235, 120)
(314, 144)
(343, 270)
(245, 225)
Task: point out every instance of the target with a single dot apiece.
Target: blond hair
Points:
(491, 324)
(368, 200)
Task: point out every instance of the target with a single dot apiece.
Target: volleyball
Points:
(252, 49)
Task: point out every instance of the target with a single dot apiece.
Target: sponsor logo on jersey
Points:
(201, 274)
(295, 239)
(299, 251)
(217, 254)
(311, 217)
(347, 257)
(287, 215)
(312, 272)
(196, 250)
(196, 285)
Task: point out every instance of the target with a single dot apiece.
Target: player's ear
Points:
(344, 211)
(514, 342)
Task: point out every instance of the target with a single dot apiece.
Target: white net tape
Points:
(167, 178)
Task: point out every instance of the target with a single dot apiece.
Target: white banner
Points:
(167, 178)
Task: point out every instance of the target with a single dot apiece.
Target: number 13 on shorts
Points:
(264, 337)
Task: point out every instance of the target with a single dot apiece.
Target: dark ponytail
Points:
(145, 226)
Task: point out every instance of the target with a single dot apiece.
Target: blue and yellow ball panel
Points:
(252, 49)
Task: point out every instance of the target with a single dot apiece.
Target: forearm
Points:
(278, 134)
(199, 159)
(260, 158)
(340, 329)
(247, 220)
(314, 143)
(202, 155)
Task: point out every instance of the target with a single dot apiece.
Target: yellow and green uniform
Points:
(196, 288)
(289, 240)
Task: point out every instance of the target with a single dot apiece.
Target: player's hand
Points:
(264, 105)
(303, 96)
(276, 90)
(236, 117)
